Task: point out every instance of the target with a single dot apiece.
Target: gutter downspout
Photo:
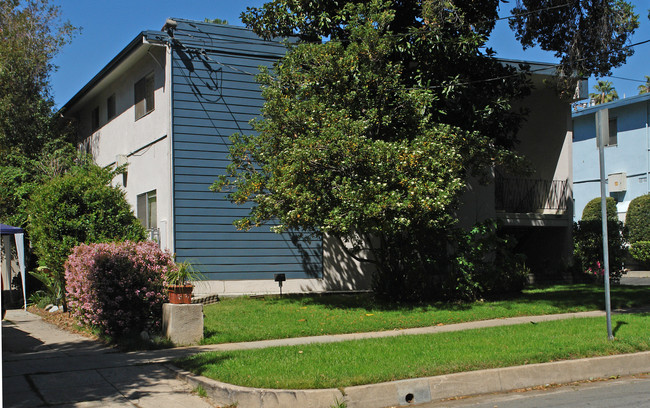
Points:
(647, 139)
(172, 222)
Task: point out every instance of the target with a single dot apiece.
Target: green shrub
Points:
(75, 208)
(592, 211)
(486, 266)
(640, 250)
(637, 219)
(52, 291)
(588, 248)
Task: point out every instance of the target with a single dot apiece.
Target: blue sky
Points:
(108, 26)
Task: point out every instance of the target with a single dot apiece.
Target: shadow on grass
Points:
(585, 296)
(590, 296)
(198, 364)
(365, 301)
(618, 326)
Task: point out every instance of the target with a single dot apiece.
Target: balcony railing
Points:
(525, 195)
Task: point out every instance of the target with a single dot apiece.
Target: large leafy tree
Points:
(371, 126)
(33, 143)
(30, 36)
(589, 36)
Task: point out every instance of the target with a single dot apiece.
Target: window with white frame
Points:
(147, 210)
(143, 91)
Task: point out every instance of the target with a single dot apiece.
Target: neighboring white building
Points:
(627, 165)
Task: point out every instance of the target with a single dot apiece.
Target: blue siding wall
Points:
(629, 155)
(214, 96)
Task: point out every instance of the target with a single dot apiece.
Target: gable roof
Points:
(143, 38)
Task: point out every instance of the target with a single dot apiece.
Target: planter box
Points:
(180, 294)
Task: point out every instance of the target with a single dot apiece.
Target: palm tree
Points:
(605, 93)
(645, 88)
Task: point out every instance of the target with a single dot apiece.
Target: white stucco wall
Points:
(145, 142)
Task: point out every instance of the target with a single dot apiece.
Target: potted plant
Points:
(179, 283)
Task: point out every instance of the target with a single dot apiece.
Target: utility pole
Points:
(602, 137)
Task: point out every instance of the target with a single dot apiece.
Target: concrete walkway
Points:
(43, 366)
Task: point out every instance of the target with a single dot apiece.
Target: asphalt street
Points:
(630, 392)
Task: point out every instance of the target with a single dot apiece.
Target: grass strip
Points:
(388, 359)
(250, 319)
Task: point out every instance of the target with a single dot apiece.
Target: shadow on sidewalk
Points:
(59, 372)
(17, 341)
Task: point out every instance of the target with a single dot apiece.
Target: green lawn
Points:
(249, 319)
(387, 359)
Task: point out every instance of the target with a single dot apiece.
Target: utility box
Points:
(617, 182)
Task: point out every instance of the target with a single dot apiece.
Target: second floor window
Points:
(94, 119)
(144, 100)
(613, 132)
(110, 107)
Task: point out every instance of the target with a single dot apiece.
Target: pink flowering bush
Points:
(597, 272)
(117, 287)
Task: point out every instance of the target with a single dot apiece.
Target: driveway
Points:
(637, 278)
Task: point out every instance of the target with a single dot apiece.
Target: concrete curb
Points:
(422, 390)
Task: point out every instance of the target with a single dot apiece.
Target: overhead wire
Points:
(549, 66)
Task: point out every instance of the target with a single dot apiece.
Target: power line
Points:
(203, 52)
(625, 79)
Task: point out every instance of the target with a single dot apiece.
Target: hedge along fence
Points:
(118, 287)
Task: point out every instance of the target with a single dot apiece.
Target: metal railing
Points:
(525, 195)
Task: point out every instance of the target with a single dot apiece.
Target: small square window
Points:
(143, 91)
(94, 119)
(613, 132)
(110, 107)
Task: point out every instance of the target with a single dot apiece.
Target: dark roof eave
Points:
(121, 56)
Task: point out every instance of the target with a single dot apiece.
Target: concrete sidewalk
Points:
(43, 365)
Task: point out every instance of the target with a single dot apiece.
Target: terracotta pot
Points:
(180, 294)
